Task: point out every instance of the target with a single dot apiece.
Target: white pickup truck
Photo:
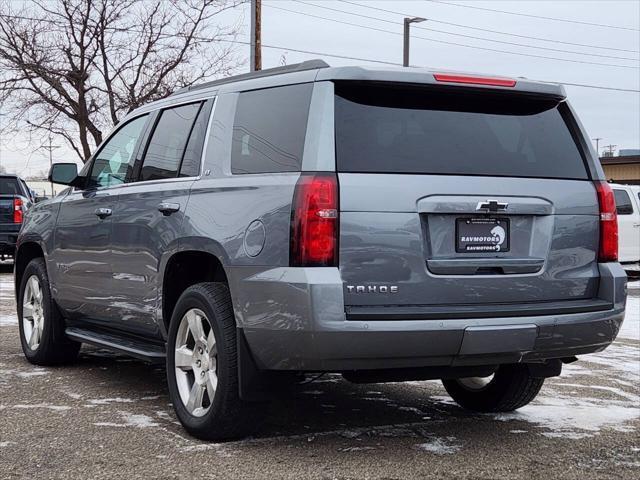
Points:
(628, 208)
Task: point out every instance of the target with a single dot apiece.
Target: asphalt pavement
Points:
(109, 416)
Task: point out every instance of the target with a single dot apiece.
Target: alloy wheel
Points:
(475, 383)
(195, 354)
(33, 312)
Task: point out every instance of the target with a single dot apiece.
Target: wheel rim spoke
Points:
(35, 288)
(196, 397)
(212, 385)
(184, 358)
(33, 339)
(27, 311)
(195, 326)
(211, 343)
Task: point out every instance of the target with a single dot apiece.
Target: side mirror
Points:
(40, 199)
(64, 174)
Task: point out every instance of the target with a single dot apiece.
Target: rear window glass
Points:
(269, 129)
(9, 186)
(382, 129)
(167, 145)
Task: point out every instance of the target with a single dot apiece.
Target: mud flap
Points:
(253, 384)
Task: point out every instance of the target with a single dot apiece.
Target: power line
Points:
(586, 85)
(566, 20)
(429, 29)
(455, 43)
(542, 39)
(361, 59)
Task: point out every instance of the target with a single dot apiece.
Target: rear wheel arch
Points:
(184, 269)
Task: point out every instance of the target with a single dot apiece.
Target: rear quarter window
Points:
(269, 129)
(390, 129)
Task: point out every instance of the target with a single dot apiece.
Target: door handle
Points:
(636, 224)
(168, 208)
(103, 212)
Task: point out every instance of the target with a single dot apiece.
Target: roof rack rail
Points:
(295, 67)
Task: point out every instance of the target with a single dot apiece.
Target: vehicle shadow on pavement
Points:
(329, 404)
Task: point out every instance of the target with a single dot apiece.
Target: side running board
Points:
(148, 352)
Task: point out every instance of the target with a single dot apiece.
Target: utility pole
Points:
(407, 26)
(256, 36)
(610, 153)
(597, 140)
(50, 147)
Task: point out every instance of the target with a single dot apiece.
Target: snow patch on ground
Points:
(57, 408)
(440, 446)
(8, 319)
(37, 372)
(617, 391)
(107, 401)
(356, 449)
(620, 357)
(5, 444)
(574, 418)
(131, 420)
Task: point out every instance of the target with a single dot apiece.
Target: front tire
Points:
(40, 323)
(508, 389)
(202, 368)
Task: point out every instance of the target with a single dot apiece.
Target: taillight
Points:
(17, 210)
(608, 251)
(314, 221)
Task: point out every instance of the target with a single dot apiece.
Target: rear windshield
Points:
(9, 186)
(383, 129)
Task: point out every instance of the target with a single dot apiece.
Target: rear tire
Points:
(40, 323)
(511, 387)
(207, 366)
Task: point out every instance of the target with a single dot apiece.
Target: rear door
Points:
(148, 218)
(461, 198)
(628, 225)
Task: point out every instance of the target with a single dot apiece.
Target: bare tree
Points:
(74, 68)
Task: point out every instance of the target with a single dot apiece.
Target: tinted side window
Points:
(269, 129)
(191, 160)
(167, 145)
(623, 202)
(114, 161)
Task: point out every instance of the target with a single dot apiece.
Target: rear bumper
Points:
(8, 238)
(294, 319)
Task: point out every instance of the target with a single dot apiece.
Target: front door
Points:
(148, 219)
(82, 251)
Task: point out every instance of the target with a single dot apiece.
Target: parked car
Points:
(628, 210)
(387, 224)
(15, 199)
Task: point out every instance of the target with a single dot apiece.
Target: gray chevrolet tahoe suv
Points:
(387, 224)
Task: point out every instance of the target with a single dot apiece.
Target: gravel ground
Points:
(109, 416)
